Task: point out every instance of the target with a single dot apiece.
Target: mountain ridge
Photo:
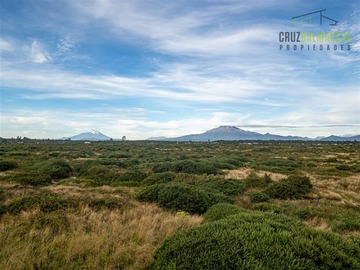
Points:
(233, 133)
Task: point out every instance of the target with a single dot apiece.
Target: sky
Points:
(145, 68)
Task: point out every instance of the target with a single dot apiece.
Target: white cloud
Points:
(5, 46)
(65, 45)
(38, 53)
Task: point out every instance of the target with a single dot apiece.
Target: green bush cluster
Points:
(31, 178)
(177, 196)
(46, 202)
(159, 178)
(229, 187)
(100, 174)
(118, 154)
(221, 211)
(268, 207)
(186, 166)
(134, 175)
(280, 165)
(255, 240)
(293, 187)
(7, 165)
(58, 169)
(258, 197)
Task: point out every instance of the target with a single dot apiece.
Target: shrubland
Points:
(168, 205)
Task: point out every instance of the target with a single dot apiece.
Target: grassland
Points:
(126, 205)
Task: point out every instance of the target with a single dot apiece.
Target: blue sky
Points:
(153, 68)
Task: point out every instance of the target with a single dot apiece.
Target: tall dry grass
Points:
(87, 239)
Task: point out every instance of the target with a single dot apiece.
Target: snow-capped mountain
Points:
(92, 135)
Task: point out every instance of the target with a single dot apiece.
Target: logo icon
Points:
(307, 18)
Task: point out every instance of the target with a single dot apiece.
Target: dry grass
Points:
(318, 223)
(86, 239)
(242, 173)
(344, 190)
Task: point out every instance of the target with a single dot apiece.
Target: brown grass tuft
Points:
(107, 239)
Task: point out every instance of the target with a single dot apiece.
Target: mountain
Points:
(231, 133)
(333, 138)
(92, 135)
(161, 138)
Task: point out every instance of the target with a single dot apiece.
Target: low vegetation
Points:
(250, 240)
(168, 205)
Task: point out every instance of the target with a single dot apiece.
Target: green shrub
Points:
(254, 240)
(343, 167)
(257, 197)
(294, 187)
(57, 169)
(176, 196)
(7, 165)
(303, 213)
(163, 167)
(46, 203)
(229, 187)
(267, 207)
(221, 211)
(186, 166)
(253, 180)
(102, 175)
(159, 178)
(31, 178)
(133, 175)
(189, 166)
(118, 154)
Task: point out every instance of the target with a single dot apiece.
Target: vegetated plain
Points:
(168, 205)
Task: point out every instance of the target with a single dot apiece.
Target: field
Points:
(168, 205)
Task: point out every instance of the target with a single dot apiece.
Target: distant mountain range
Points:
(232, 133)
(92, 135)
(222, 133)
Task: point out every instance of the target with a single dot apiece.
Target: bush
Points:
(46, 202)
(133, 175)
(221, 211)
(189, 166)
(229, 187)
(34, 179)
(267, 207)
(252, 240)
(294, 187)
(253, 180)
(163, 167)
(257, 197)
(7, 165)
(159, 178)
(118, 154)
(102, 175)
(176, 196)
(343, 167)
(186, 166)
(58, 169)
